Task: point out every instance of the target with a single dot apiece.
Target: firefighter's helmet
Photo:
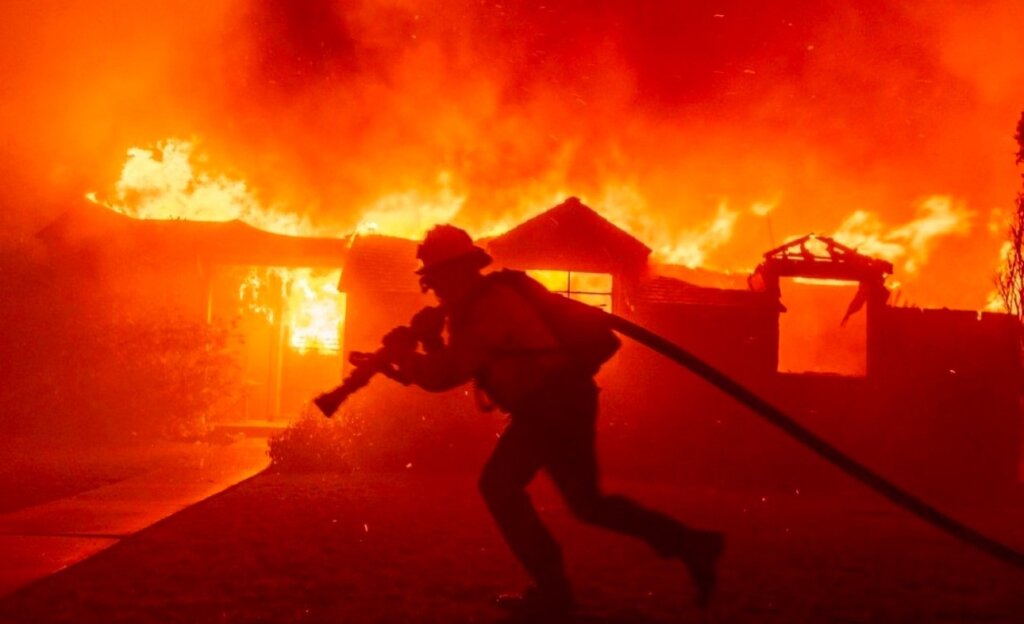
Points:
(446, 245)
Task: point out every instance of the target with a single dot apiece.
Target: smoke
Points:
(333, 109)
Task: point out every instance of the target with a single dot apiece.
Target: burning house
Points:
(928, 395)
(277, 291)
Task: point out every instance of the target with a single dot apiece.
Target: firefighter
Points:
(497, 338)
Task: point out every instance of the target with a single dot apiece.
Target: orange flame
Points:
(316, 311)
(168, 182)
(409, 214)
(911, 244)
(162, 183)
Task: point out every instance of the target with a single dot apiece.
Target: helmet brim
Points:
(478, 258)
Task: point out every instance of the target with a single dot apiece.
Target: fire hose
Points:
(377, 362)
(816, 444)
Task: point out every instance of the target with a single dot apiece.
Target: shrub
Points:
(316, 444)
(84, 361)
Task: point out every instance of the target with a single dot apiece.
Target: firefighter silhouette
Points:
(508, 338)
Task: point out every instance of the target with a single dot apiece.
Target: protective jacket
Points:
(496, 338)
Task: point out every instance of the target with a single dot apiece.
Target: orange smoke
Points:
(342, 115)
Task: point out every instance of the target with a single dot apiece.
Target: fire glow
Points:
(169, 181)
(316, 310)
(162, 184)
(709, 134)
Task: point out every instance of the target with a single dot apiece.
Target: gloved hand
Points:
(360, 359)
(399, 342)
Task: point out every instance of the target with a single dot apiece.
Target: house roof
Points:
(381, 263)
(699, 276)
(228, 242)
(660, 289)
(822, 257)
(570, 236)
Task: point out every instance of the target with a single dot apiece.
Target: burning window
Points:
(315, 311)
(591, 288)
(306, 300)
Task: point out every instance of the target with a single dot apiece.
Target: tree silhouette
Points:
(1010, 281)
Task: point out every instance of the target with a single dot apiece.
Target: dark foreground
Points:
(419, 548)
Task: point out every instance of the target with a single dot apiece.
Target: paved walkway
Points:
(40, 540)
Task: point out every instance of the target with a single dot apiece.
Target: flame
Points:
(819, 281)
(626, 207)
(911, 244)
(692, 247)
(313, 310)
(252, 294)
(410, 213)
(162, 183)
(994, 303)
(170, 181)
(316, 310)
(331, 106)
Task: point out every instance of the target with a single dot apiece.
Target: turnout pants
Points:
(556, 433)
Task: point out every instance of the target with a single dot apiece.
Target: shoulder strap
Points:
(522, 284)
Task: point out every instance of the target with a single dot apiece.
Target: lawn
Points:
(410, 547)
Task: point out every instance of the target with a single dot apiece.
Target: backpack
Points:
(582, 330)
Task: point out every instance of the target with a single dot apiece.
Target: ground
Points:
(409, 547)
(36, 470)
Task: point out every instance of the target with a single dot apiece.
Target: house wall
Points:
(660, 419)
(742, 340)
(371, 314)
(937, 413)
(953, 378)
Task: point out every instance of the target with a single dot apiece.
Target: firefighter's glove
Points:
(428, 325)
(398, 343)
(363, 360)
